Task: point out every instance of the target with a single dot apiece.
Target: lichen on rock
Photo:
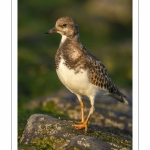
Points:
(46, 132)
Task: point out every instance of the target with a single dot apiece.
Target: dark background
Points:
(105, 29)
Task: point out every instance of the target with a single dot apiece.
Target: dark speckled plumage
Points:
(98, 74)
(80, 71)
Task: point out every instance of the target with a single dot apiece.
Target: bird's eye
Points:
(64, 25)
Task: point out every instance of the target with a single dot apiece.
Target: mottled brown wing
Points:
(98, 76)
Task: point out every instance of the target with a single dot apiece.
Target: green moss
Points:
(73, 148)
(118, 141)
(50, 143)
(26, 147)
(24, 114)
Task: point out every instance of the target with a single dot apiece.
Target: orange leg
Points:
(84, 124)
(82, 111)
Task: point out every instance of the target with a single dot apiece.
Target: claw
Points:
(80, 126)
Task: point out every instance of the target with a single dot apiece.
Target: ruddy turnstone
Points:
(81, 72)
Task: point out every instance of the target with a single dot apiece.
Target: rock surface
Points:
(50, 133)
(110, 126)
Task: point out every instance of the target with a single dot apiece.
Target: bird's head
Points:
(65, 26)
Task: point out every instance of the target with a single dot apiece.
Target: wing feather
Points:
(98, 76)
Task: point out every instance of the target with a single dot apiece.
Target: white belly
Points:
(77, 83)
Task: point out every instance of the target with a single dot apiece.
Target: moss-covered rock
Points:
(48, 133)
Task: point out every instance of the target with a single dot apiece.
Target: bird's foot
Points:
(79, 126)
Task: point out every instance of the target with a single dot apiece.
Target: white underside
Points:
(78, 83)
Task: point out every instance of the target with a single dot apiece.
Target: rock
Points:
(108, 112)
(46, 132)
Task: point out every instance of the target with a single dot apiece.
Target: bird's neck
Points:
(63, 39)
(69, 48)
(70, 39)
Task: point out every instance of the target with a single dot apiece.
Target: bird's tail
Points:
(121, 98)
(125, 100)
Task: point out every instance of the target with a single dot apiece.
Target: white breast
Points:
(77, 83)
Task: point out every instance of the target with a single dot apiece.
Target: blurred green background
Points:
(105, 29)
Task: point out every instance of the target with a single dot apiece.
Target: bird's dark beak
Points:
(53, 30)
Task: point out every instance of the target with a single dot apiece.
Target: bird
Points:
(80, 71)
